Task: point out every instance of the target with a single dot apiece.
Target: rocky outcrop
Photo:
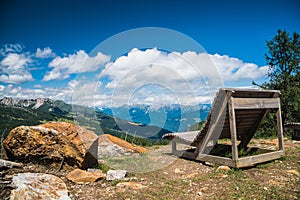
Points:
(38, 186)
(112, 146)
(53, 142)
(32, 103)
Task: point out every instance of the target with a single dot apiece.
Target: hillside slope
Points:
(16, 112)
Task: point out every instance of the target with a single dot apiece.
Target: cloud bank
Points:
(147, 76)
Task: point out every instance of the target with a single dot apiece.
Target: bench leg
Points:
(174, 150)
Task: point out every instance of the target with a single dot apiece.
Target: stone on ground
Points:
(292, 171)
(82, 176)
(38, 186)
(131, 185)
(115, 175)
(223, 168)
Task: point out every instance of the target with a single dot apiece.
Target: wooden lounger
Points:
(235, 114)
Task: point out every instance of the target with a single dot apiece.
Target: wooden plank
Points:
(248, 124)
(186, 154)
(248, 112)
(233, 133)
(253, 160)
(181, 140)
(242, 120)
(237, 92)
(216, 159)
(255, 103)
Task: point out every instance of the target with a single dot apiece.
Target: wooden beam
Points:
(253, 160)
(233, 133)
(202, 148)
(216, 159)
(255, 103)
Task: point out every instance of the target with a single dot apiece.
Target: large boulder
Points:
(53, 142)
(38, 186)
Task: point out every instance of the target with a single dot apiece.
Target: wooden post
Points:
(280, 129)
(233, 133)
(173, 147)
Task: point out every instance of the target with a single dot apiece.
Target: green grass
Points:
(103, 167)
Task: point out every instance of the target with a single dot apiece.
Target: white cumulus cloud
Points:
(11, 48)
(79, 62)
(14, 68)
(189, 76)
(44, 53)
(2, 87)
(234, 69)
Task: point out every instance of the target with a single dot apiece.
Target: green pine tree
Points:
(283, 59)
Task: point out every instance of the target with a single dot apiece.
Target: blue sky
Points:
(44, 45)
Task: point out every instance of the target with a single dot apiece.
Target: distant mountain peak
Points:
(32, 103)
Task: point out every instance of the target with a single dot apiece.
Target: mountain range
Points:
(175, 117)
(15, 112)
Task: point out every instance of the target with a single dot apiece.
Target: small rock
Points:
(192, 175)
(292, 171)
(177, 171)
(209, 164)
(38, 186)
(265, 188)
(93, 170)
(132, 185)
(222, 175)
(133, 179)
(115, 175)
(199, 194)
(223, 168)
(273, 182)
(237, 188)
(81, 176)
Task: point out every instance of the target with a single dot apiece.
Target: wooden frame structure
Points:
(295, 126)
(235, 114)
